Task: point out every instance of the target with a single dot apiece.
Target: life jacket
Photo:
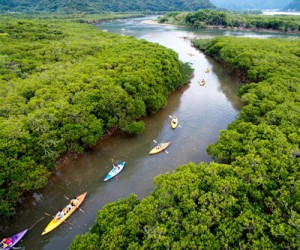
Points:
(7, 241)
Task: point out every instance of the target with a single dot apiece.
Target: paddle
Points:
(77, 207)
(62, 221)
(2, 247)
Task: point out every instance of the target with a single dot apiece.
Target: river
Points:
(202, 111)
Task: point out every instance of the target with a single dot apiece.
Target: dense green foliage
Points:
(204, 18)
(294, 6)
(252, 199)
(63, 85)
(250, 5)
(96, 6)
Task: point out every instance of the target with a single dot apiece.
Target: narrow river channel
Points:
(202, 111)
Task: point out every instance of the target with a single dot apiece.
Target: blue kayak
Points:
(115, 170)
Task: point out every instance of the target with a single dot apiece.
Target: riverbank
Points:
(213, 19)
(220, 27)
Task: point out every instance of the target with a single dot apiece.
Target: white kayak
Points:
(115, 170)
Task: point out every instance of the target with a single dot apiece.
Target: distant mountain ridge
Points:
(253, 4)
(293, 6)
(96, 6)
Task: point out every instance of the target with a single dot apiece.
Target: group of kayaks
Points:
(117, 168)
(162, 146)
(54, 223)
(203, 82)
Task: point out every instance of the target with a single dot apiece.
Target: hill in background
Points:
(293, 6)
(96, 6)
(254, 4)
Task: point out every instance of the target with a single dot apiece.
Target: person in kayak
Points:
(69, 207)
(74, 201)
(6, 242)
(57, 216)
(65, 210)
(60, 214)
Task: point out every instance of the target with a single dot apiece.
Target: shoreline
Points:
(68, 157)
(219, 27)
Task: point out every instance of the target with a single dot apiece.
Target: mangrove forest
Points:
(249, 198)
(66, 84)
(224, 19)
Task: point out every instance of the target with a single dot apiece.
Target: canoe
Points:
(174, 122)
(15, 239)
(160, 147)
(54, 224)
(115, 170)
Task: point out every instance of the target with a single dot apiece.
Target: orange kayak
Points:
(55, 223)
(160, 147)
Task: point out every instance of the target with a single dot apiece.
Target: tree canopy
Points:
(97, 6)
(225, 19)
(63, 85)
(250, 199)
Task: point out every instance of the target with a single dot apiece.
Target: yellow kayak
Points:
(55, 223)
(162, 146)
(174, 122)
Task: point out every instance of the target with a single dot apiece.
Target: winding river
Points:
(202, 111)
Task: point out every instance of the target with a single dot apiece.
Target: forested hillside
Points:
(293, 6)
(250, 5)
(222, 19)
(96, 6)
(63, 85)
(252, 200)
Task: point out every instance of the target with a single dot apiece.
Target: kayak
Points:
(202, 83)
(174, 122)
(115, 170)
(160, 147)
(55, 223)
(15, 239)
(207, 70)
